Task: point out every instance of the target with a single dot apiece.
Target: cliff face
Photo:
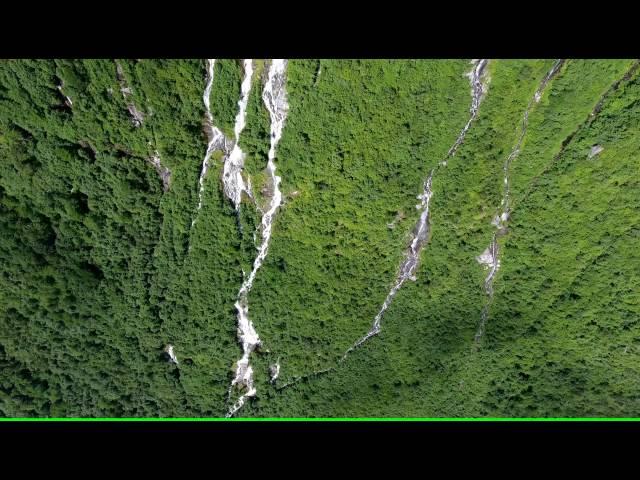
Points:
(306, 238)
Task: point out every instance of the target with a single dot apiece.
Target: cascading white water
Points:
(217, 140)
(172, 355)
(490, 257)
(516, 150)
(275, 100)
(420, 234)
(478, 90)
(410, 262)
(67, 100)
(479, 85)
(232, 173)
(233, 183)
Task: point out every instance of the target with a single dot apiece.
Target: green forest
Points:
(107, 259)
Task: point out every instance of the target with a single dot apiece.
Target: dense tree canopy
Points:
(103, 266)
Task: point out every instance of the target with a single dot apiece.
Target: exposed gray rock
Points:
(595, 150)
(164, 172)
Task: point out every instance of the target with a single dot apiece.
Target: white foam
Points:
(232, 179)
(275, 100)
(479, 87)
(490, 257)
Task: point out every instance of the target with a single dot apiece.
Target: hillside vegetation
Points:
(103, 265)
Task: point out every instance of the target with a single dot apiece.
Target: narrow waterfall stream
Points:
(171, 354)
(410, 262)
(420, 233)
(67, 99)
(478, 91)
(275, 100)
(490, 257)
(232, 172)
(217, 140)
(479, 80)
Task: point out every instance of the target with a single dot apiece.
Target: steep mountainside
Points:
(319, 238)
